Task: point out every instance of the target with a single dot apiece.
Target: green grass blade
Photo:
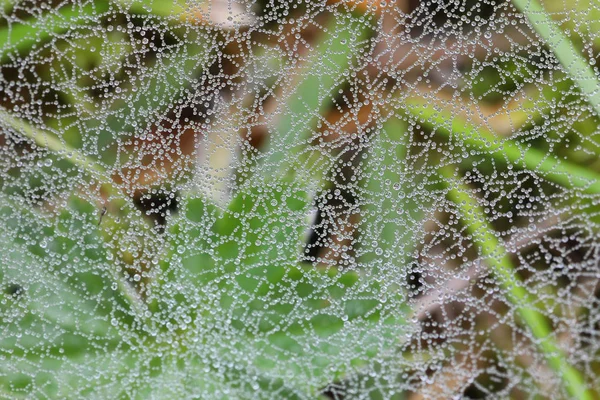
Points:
(51, 143)
(498, 259)
(389, 219)
(57, 147)
(160, 86)
(52, 290)
(120, 204)
(323, 72)
(20, 37)
(563, 172)
(105, 374)
(572, 61)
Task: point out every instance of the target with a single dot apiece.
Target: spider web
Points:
(342, 199)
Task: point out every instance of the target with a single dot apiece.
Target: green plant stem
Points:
(572, 61)
(563, 172)
(498, 259)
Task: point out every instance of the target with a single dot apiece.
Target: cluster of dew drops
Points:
(198, 127)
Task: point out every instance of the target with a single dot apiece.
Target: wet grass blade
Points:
(21, 37)
(119, 202)
(391, 213)
(163, 84)
(498, 260)
(172, 10)
(52, 144)
(445, 122)
(313, 91)
(45, 250)
(567, 54)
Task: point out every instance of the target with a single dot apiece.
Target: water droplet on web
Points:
(340, 199)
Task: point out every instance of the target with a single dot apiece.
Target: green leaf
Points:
(272, 219)
(41, 313)
(69, 249)
(47, 141)
(118, 202)
(284, 315)
(99, 373)
(300, 324)
(262, 225)
(63, 308)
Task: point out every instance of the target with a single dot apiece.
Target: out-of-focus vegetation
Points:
(100, 137)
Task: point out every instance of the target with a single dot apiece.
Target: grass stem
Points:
(56, 147)
(498, 259)
(573, 62)
(562, 172)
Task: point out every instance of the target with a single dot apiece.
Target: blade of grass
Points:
(20, 37)
(172, 10)
(563, 172)
(21, 222)
(160, 8)
(572, 61)
(159, 87)
(390, 232)
(58, 148)
(498, 259)
(144, 104)
(314, 90)
(583, 16)
(51, 143)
